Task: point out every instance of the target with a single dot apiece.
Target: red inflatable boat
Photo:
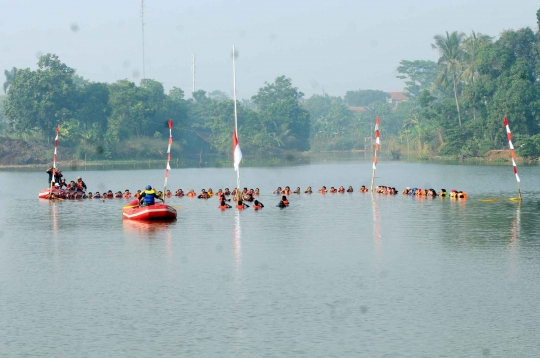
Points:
(152, 212)
(58, 193)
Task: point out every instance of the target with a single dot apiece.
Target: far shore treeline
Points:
(453, 107)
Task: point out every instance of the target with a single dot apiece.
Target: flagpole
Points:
(377, 142)
(54, 160)
(168, 161)
(509, 135)
(235, 115)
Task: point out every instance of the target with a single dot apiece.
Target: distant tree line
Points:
(455, 108)
(122, 120)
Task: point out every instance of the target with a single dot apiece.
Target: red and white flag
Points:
(237, 153)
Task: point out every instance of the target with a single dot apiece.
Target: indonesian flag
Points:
(237, 153)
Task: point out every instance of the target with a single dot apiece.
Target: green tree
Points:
(285, 120)
(10, 76)
(451, 61)
(419, 75)
(39, 100)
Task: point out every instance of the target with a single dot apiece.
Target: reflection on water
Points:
(313, 280)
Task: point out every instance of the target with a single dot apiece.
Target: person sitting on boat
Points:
(308, 190)
(118, 194)
(127, 194)
(179, 192)
(71, 186)
(62, 183)
(148, 197)
(257, 205)
(81, 186)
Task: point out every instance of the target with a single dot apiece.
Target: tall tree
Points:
(284, 118)
(10, 76)
(419, 75)
(471, 47)
(451, 61)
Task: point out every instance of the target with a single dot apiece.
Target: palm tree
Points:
(451, 60)
(471, 47)
(10, 76)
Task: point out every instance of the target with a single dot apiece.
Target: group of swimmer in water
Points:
(77, 190)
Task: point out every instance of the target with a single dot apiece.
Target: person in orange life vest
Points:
(240, 204)
(223, 204)
(257, 205)
(179, 192)
(203, 195)
(322, 190)
(127, 194)
(81, 186)
(283, 203)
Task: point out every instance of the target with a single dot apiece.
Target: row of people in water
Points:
(257, 205)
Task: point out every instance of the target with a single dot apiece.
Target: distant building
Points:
(396, 97)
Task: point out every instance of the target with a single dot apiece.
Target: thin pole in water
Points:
(235, 115)
(168, 160)
(377, 142)
(509, 135)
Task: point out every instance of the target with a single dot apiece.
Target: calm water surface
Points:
(334, 275)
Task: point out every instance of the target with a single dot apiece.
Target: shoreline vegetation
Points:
(452, 108)
(496, 157)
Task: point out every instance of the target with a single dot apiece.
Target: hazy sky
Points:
(335, 45)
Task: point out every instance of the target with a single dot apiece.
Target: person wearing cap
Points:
(81, 186)
(148, 196)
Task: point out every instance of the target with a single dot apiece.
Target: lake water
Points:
(336, 275)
